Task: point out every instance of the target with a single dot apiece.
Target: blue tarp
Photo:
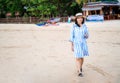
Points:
(41, 24)
(95, 18)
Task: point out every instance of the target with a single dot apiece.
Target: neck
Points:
(80, 25)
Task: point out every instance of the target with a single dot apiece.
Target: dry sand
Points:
(33, 54)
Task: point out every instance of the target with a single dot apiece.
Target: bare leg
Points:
(79, 63)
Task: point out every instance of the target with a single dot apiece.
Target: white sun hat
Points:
(79, 14)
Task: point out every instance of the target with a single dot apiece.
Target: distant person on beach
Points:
(69, 19)
(78, 36)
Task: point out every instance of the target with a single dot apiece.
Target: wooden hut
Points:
(110, 10)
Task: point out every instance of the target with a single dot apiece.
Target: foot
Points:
(80, 74)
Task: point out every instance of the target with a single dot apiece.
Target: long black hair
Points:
(77, 22)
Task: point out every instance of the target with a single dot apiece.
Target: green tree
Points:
(108, 0)
(43, 8)
(11, 6)
(2, 8)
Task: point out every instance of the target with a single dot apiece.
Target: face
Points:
(79, 20)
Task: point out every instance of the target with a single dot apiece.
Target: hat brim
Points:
(80, 16)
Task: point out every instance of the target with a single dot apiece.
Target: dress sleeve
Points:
(72, 34)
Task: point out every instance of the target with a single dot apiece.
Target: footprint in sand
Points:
(100, 71)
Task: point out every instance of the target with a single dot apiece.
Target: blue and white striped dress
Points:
(77, 36)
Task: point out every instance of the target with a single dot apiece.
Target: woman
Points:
(79, 34)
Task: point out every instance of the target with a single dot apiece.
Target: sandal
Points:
(80, 74)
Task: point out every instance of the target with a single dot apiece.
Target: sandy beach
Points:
(34, 54)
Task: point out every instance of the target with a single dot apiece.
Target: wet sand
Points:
(34, 54)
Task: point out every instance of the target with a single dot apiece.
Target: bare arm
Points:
(72, 46)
